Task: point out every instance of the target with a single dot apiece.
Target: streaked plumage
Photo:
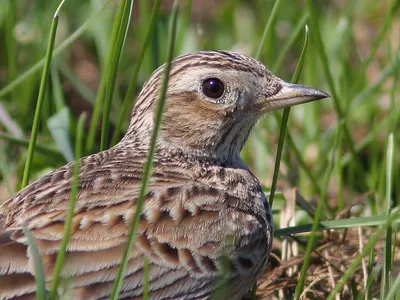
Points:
(202, 204)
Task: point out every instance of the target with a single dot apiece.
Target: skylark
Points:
(204, 208)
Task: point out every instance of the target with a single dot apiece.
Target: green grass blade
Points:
(118, 40)
(72, 202)
(337, 224)
(289, 42)
(394, 290)
(131, 89)
(59, 126)
(58, 92)
(149, 162)
(387, 262)
(37, 265)
(311, 241)
(285, 119)
(268, 29)
(40, 100)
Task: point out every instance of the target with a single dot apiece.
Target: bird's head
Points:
(213, 100)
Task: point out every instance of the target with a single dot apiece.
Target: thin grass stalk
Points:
(131, 88)
(150, 154)
(70, 214)
(338, 224)
(37, 265)
(184, 20)
(57, 88)
(339, 176)
(373, 273)
(394, 290)
(324, 192)
(300, 160)
(387, 262)
(268, 28)
(104, 80)
(289, 42)
(67, 42)
(40, 100)
(357, 260)
(118, 46)
(285, 118)
(311, 8)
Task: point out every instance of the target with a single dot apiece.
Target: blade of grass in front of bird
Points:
(357, 260)
(149, 162)
(268, 28)
(118, 41)
(387, 262)
(40, 100)
(37, 265)
(67, 42)
(291, 143)
(71, 207)
(267, 31)
(133, 82)
(285, 118)
(323, 199)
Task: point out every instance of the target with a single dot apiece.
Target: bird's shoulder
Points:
(110, 180)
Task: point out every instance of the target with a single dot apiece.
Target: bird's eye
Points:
(213, 88)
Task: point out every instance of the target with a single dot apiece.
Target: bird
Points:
(204, 216)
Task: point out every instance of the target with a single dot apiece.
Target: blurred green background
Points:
(360, 39)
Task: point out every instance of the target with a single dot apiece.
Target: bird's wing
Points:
(181, 231)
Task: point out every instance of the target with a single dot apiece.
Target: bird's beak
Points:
(291, 94)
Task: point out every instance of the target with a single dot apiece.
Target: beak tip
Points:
(312, 94)
(321, 94)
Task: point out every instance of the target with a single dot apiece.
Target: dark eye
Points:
(213, 88)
